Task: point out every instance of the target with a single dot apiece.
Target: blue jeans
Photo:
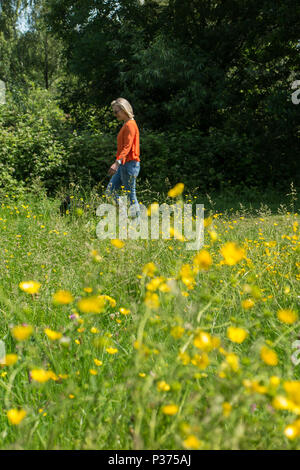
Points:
(126, 176)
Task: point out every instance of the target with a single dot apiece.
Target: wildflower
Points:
(149, 269)
(152, 300)
(111, 350)
(292, 430)
(53, 335)
(236, 335)
(162, 386)
(93, 372)
(16, 416)
(202, 260)
(62, 297)
(287, 316)
(95, 255)
(97, 362)
(124, 311)
(292, 389)
(40, 375)
(231, 253)
(142, 374)
(177, 332)
(177, 190)
(226, 408)
(10, 359)
(203, 341)
(184, 357)
(248, 303)
(71, 396)
(192, 442)
(200, 360)
(269, 356)
(154, 284)
(233, 361)
(94, 330)
(112, 301)
(31, 287)
(92, 304)
(170, 410)
(117, 243)
(21, 333)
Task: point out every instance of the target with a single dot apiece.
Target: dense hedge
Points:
(37, 140)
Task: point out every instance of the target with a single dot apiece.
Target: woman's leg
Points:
(129, 175)
(113, 186)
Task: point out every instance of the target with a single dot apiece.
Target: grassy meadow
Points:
(144, 344)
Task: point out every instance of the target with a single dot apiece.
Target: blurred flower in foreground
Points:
(53, 335)
(170, 410)
(269, 356)
(10, 359)
(92, 304)
(31, 287)
(192, 442)
(177, 190)
(231, 253)
(21, 333)
(287, 316)
(236, 335)
(16, 416)
(117, 243)
(62, 297)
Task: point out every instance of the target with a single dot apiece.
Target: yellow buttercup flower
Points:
(170, 410)
(111, 350)
(97, 362)
(203, 341)
(21, 333)
(149, 269)
(40, 375)
(233, 361)
(269, 356)
(177, 190)
(92, 304)
(31, 287)
(10, 359)
(62, 297)
(200, 360)
(248, 303)
(124, 311)
(162, 386)
(236, 335)
(152, 300)
(231, 253)
(287, 316)
(177, 332)
(226, 408)
(192, 442)
(117, 243)
(292, 430)
(93, 372)
(16, 416)
(112, 301)
(202, 260)
(53, 335)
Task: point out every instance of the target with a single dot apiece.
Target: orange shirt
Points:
(128, 142)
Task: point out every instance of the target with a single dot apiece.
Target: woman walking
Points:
(127, 165)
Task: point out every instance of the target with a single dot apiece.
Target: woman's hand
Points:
(113, 169)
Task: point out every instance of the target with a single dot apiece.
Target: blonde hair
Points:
(125, 105)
